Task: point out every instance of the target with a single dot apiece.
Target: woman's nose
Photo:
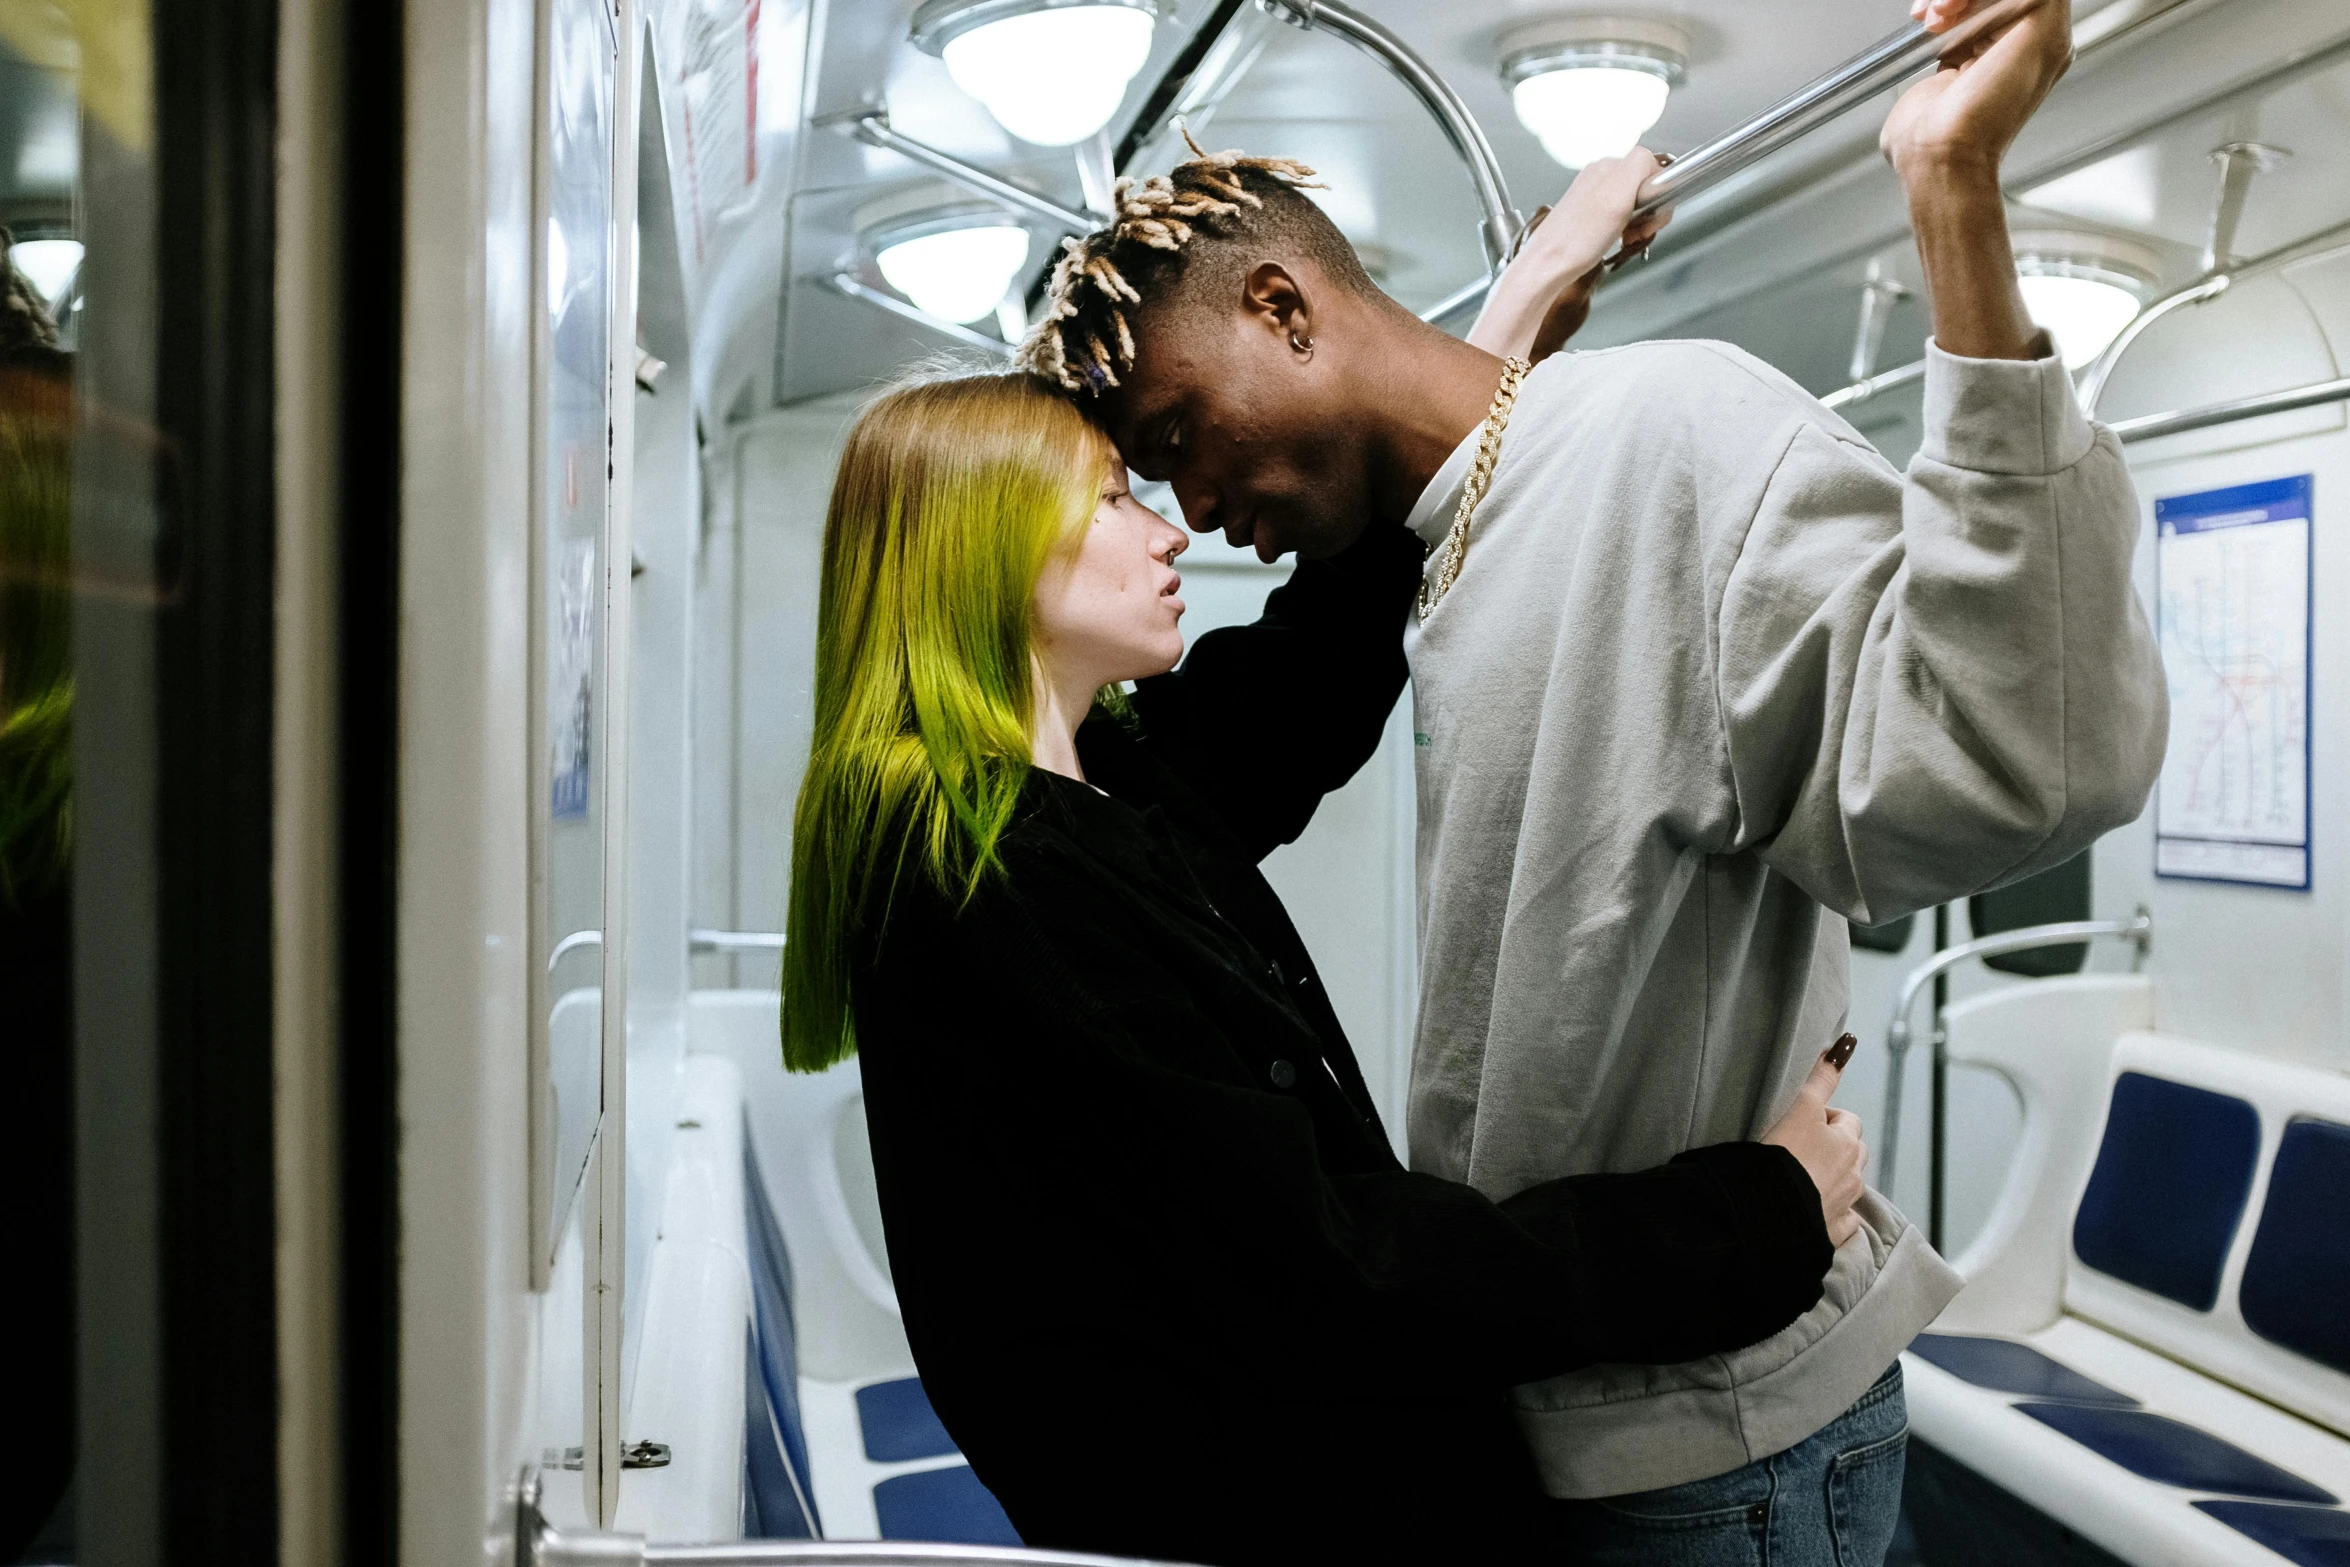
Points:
(1173, 541)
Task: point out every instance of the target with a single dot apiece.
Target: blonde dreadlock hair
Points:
(1161, 232)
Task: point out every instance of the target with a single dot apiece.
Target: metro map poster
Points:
(2232, 609)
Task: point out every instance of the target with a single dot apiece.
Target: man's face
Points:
(1250, 431)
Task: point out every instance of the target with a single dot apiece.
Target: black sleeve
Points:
(1100, 1115)
(1264, 719)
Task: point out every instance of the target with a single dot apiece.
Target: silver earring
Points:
(1305, 346)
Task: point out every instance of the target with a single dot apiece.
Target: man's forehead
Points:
(1126, 410)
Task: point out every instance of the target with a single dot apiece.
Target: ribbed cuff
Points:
(2007, 416)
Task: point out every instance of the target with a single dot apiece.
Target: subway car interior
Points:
(418, 429)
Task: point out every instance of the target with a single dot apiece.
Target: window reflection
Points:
(40, 267)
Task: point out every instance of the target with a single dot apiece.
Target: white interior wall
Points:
(2255, 968)
(711, 699)
(757, 650)
(469, 1326)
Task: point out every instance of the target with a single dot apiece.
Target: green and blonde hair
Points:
(952, 498)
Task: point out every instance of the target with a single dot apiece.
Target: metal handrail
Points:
(2137, 930)
(2094, 379)
(1882, 381)
(1458, 300)
(872, 127)
(734, 940)
(1828, 97)
(536, 1542)
(866, 1553)
(572, 943)
(1882, 65)
(849, 286)
(1501, 223)
(2092, 383)
(2149, 426)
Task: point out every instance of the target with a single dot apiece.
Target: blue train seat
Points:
(2167, 1192)
(2175, 1453)
(2008, 1367)
(942, 1504)
(898, 1423)
(2152, 1348)
(2296, 1289)
(779, 1487)
(842, 1443)
(2308, 1536)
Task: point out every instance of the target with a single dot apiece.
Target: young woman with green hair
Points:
(1167, 1285)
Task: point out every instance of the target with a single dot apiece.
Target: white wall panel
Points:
(782, 479)
(2253, 967)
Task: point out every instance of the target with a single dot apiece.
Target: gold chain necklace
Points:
(1456, 538)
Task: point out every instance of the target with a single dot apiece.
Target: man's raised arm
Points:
(1979, 696)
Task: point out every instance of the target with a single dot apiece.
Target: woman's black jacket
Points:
(1166, 1283)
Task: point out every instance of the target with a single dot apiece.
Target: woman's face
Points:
(1107, 610)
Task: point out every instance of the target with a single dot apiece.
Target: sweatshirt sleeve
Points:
(1936, 683)
(1265, 719)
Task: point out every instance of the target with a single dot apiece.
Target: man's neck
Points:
(1426, 391)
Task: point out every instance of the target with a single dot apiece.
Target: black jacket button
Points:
(1283, 1074)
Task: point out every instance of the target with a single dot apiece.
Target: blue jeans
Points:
(1831, 1500)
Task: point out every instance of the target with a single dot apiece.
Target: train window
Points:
(41, 248)
(137, 704)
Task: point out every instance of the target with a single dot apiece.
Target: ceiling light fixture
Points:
(956, 265)
(48, 264)
(2084, 288)
(1050, 71)
(1591, 86)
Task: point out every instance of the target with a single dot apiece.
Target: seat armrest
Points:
(2052, 1040)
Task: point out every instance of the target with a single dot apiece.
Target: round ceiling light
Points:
(958, 266)
(1050, 71)
(2084, 288)
(1590, 86)
(48, 264)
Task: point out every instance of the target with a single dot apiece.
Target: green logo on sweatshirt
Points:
(1422, 737)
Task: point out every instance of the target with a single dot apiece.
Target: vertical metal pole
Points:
(1938, 1095)
(2238, 161)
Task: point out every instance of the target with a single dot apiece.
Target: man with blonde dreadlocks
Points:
(1697, 676)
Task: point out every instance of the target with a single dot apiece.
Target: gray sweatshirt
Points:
(1714, 679)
